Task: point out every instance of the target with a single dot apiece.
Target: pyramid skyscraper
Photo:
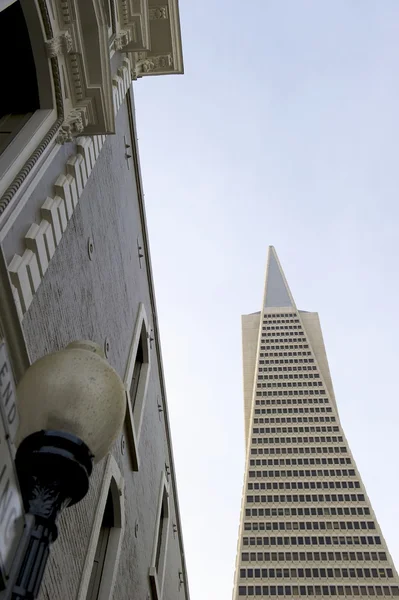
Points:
(307, 528)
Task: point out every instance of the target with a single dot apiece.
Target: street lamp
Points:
(71, 407)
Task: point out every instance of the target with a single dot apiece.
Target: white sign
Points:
(11, 506)
(8, 398)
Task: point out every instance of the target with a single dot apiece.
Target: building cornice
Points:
(168, 57)
(42, 239)
(83, 106)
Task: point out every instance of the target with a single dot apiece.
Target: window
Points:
(111, 20)
(101, 550)
(102, 557)
(26, 110)
(161, 534)
(138, 367)
(136, 382)
(158, 563)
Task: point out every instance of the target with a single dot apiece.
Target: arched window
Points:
(136, 381)
(102, 558)
(20, 99)
(26, 103)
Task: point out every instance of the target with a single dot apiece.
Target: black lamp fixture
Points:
(71, 407)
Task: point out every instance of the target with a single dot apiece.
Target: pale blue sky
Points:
(284, 130)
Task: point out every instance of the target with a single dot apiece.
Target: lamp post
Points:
(71, 407)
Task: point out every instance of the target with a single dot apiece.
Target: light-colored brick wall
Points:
(96, 299)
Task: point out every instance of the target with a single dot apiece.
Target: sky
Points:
(284, 130)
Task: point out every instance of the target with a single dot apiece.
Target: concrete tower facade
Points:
(307, 527)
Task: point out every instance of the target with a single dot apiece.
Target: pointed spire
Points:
(277, 292)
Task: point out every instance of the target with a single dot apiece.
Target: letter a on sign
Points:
(8, 400)
(11, 507)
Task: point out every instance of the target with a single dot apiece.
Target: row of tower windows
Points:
(314, 540)
(290, 376)
(300, 450)
(295, 393)
(268, 354)
(287, 327)
(306, 498)
(289, 384)
(303, 557)
(281, 338)
(285, 347)
(293, 411)
(283, 369)
(279, 420)
(305, 473)
(299, 440)
(300, 429)
(318, 590)
(285, 401)
(285, 361)
(271, 336)
(304, 485)
(307, 525)
(267, 317)
(300, 461)
(316, 573)
(307, 511)
(268, 338)
(282, 330)
(284, 327)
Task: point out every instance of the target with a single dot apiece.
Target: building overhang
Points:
(81, 43)
(88, 32)
(164, 54)
(73, 44)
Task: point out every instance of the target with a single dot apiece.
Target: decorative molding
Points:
(66, 11)
(121, 83)
(166, 14)
(124, 11)
(163, 61)
(133, 22)
(134, 18)
(41, 241)
(88, 66)
(144, 66)
(73, 125)
(147, 64)
(122, 39)
(34, 158)
(27, 271)
(77, 76)
(159, 12)
(61, 44)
